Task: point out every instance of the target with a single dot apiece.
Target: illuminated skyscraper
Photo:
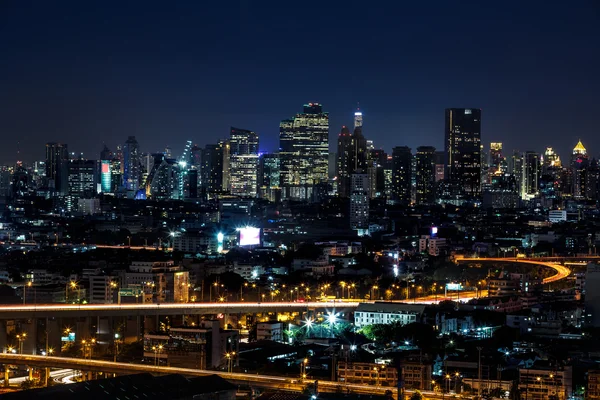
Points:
(268, 176)
(425, 171)
(579, 166)
(531, 174)
(359, 203)
(57, 167)
(401, 174)
(463, 149)
(352, 158)
(105, 176)
(304, 152)
(358, 118)
(131, 164)
(243, 145)
(82, 178)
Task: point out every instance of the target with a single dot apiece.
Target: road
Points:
(58, 375)
(561, 271)
(72, 310)
(259, 381)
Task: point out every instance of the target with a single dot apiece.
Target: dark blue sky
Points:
(84, 72)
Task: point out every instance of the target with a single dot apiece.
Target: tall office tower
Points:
(226, 163)
(497, 164)
(344, 162)
(516, 168)
(211, 170)
(168, 152)
(83, 178)
(401, 174)
(186, 157)
(196, 156)
(132, 173)
(440, 165)
(531, 173)
(162, 182)
(57, 167)
(579, 166)
(551, 161)
(243, 145)
(358, 119)
(463, 149)
(593, 181)
(268, 176)
(332, 166)
(105, 176)
(359, 203)
(352, 158)
(425, 172)
(377, 160)
(121, 158)
(5, 181)
(116, 176)
(304, 152)
(106, 154)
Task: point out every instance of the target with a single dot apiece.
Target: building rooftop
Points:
(389, 307)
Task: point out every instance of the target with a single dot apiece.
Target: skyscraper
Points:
(243, 145)
(359, 203)
(531, 173)
(358, 119)
(304, 152)
(57, 167)
(425, 171)
(83, 178)
(401, 174)
(579, 167)
(463, 149)
(352, 158)
(211, 170)
(268, 176)
(377, 161)
(131, 164)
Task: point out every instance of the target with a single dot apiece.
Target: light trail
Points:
(561, 271)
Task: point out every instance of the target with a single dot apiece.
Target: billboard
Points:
(454, 286)
(249, 236)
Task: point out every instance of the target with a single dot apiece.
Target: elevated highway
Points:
(561, 271)
(134, 310)
(257, 381)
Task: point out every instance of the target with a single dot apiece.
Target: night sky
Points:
(88, 72)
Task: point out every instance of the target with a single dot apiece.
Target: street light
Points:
(21, 338)
(28, 284)
(303, 368)
(157, 350)
(230, 356)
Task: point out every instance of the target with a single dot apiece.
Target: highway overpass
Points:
(253, 380)
(135, 310)
(561, 271)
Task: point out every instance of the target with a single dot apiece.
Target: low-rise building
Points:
(387, 312)
(367, 374)
(270, 331)
(541, 382)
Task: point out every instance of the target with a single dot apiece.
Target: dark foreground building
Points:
(139, 386)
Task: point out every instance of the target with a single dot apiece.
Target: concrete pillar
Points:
(82, 329)
(3, 336)
(131, 331)
(54, 330)
(30, 343)
(150, 323)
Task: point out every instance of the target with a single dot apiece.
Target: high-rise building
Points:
(377, 160)
(579, 167)
(131, 164)
(440, 165)
(106, 154)
(226, 162)
(531, 173)
(57, 167)
(425, 171)
(211, 170)
(105, 176)
(82, 178)
(243, 145)
(268, 176)
(359, 203)
(358, 118)
(463, 149)
(304, 152)
(401, 174)
(352, 158)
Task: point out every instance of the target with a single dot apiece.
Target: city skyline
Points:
(185, 81)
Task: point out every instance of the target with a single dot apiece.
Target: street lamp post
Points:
(157, 350)
(25, 286)
(21, 338)
(230, 357)
(116, 345)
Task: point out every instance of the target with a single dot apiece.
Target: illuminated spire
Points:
(579, 149)
(358, 118)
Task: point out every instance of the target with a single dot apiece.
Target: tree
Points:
(416, 395)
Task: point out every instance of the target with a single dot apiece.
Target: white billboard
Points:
(249, 236)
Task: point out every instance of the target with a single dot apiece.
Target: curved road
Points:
(561, 271)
